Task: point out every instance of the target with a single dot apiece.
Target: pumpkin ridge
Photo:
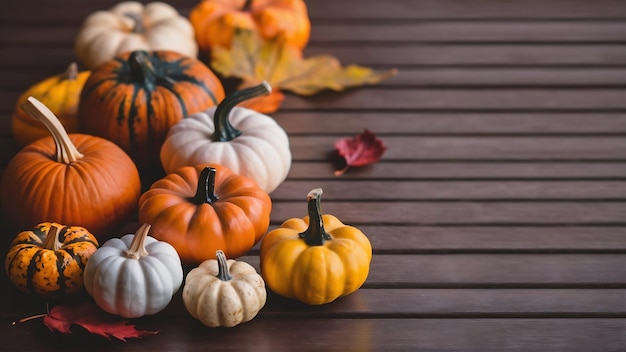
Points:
(180, 74)
(61, 283)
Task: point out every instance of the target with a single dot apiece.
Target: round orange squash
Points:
(134, 99)
(215, 21)
(74, 179)
(206, 208)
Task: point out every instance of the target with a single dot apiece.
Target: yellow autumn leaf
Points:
(283, 66)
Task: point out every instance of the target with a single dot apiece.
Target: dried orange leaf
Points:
(283, 66)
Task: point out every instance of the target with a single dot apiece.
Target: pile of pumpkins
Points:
(146, 101)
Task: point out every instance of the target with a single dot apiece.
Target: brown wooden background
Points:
(497, 215)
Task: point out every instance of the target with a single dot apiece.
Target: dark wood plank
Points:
(463, 170)
(545, 334)
(520, 55)
(451, 122)
(426, 77)
(467, 31)
(332, 10)
(409, 148)
(450, 31)
(493, 270)
(391, 55)
(495, 239)
(463, 212)
(362, 190)
(462, 99)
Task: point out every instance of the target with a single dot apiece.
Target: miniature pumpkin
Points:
(60, 94)
(75, 179)
(134, 99)
(215, 21)
(134, 275)
(224, 292)
(48, 260)
(315, 259)
(131, 25)
(249, 143)
(201, 209)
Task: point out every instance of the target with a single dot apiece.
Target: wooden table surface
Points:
(497, 215)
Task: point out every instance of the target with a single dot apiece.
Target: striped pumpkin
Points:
(134, 99)
(49, 259)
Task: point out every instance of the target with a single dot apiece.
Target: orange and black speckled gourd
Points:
(49, 259)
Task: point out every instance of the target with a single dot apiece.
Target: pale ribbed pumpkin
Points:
(221, 292)
(130, 26)
(134, 275)
(248, 143)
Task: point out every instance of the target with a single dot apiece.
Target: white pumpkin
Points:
(222, 292)
(249, 143)
(130, 26)
(133, 276)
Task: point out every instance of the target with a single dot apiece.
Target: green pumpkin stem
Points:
(315, 234)
(142, 70)
(66, 151)
(205, 193)
(222, 264)
(52, 239)
(137, 247)
(224, 131)
(247, 6)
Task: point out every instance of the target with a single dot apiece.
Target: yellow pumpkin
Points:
(315, 259)
(60, 94)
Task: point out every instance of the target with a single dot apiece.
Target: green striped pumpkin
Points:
(49, 259)
(134, 99)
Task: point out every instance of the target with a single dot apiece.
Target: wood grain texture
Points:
(496, 215)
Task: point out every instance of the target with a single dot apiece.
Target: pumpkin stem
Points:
(315, 234)
(137, 247)
(205, 192)
(52, 238)
(224, 131)
(247, 6)
(66, 152)
(222, 264)
(138, 26)
(141, 68)
(71, 72)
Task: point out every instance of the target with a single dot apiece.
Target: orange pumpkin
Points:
(134, 99)
(215, 21)
(202, 209)
(74, 179)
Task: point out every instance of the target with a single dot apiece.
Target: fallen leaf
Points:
(254, 59)
(361, 150)
(91, 318)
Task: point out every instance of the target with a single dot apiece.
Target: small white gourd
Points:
(133, 276)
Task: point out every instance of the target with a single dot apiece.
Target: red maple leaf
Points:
(91, 318)
(361, 150)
